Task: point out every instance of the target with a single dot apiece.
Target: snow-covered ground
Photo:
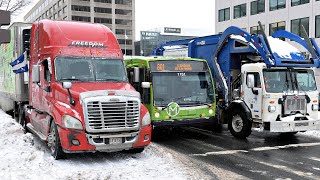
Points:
(23, 156)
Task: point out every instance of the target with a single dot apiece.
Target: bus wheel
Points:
(239, 125)
(54, 142)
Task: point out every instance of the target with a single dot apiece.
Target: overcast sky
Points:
(151, 14)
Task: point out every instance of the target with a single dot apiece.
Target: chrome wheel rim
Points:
(53, 140)
(237, 123)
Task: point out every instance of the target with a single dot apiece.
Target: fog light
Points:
(146, 137)
(315, 107)
(75, 142)
(210, 111)
(271, 109)
(157, 115)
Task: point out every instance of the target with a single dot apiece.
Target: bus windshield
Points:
(184, 88)
(87, 69)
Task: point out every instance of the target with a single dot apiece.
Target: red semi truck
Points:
(79, 99)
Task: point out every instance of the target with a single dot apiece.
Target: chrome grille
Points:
(295, 104)
(113, 115)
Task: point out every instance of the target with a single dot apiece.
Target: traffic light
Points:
(26, 40)
(4, 20)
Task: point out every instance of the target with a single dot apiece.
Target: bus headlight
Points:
(71, 122)
(315, 107)
(272, 109)
(210, 111)
(156, 115)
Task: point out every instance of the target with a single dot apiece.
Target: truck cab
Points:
(176, 91)
(80, 96)
(282, 99)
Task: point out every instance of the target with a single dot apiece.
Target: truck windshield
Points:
(184, 88)
(87, 69)
(280, 80)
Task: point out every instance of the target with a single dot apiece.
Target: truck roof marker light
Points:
(111, 93)
(315, 101)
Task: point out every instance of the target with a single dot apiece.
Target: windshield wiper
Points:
(70, 79)
(110, 79)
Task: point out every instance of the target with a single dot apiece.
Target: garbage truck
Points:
(263, 82)
(176, 91)
(72, 90)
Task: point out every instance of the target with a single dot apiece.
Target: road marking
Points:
(287, 169)
(314, 158)
(267, 148)
(221, 152)
(315, 168)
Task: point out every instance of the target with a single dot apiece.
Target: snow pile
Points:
(284, 49)
(25, 157)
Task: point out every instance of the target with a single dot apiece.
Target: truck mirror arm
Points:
(72, 101)
(47, 88)
(255, 91)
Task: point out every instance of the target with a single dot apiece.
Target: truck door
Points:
(253, 96)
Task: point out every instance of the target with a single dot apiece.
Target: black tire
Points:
(239, 125)
(22, 120)
(136, 150)
(54, 143)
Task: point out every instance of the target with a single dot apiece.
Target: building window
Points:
(123, 12)
(123, 31)
(103, 1)
(81, 18)
(123, 21)
(277, 4)
(299, 2)
(124, 2)
(256, 29)
(224, 14)
(273, 27)
(80, 8)
(103, 20)
(102, 10)
(317, 26)
(296, 25)
(239, 11)
(257, 7)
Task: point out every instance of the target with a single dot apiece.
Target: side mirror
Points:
(145, 85)
(136, 74)
(67, 85)
(250, 81)
(36, 73)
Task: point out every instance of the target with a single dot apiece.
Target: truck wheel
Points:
(54, 142)
(136, 150)
(22, 118)
(239, 125)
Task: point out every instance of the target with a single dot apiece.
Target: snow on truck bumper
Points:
(286, 125)
(73, 141)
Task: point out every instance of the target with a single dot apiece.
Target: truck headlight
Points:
(146, 120)
(272, 109)
(210, 111)
(71, 122)
(315, 107)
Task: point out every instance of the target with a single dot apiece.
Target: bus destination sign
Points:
(178, 66)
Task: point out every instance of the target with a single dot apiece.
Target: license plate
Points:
(302, 124)
(115, 140)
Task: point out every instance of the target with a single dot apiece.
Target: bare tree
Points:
(13, 5)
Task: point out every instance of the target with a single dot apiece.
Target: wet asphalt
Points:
(263, 155)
